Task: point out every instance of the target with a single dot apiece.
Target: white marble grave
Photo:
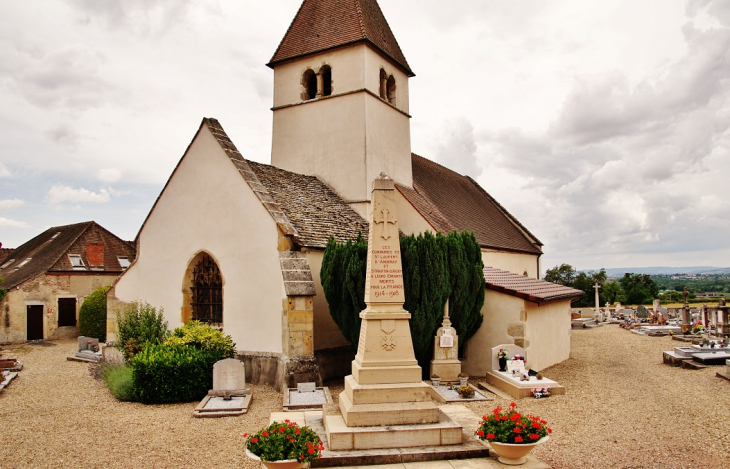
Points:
(229, 396)
(513, 385)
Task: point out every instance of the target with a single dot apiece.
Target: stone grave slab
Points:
(716, 358)
(726, 373)
(445, 394)
(10, 364)
(306, 397)
(513, 385)
(229, 396)
(6, 377)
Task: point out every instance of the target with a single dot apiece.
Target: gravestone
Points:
(511, 349)
(445, 363)
(229, 396)
(88, 350)
(229, 375)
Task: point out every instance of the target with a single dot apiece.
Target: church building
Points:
(239, 244)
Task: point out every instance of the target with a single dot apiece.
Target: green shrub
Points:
(138, 325)
(92, 315)
(203, 337)
(118, 378)
(165, 373)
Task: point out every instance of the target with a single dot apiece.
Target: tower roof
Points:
(326, 24)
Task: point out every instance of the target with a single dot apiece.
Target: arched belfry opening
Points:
(390, 88)
(203, 291)
(383, 84)
(309, 81)
(325, 74)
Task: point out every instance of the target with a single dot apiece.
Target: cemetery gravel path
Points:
(623, 409)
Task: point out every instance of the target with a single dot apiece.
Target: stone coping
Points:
(445, 395)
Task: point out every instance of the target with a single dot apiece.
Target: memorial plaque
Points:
(446, 341)
(515, 365)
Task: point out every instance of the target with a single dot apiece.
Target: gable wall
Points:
(326, 333)
(548, 333)
(208, 206)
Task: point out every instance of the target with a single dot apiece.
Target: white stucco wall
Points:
(548, 333)
(500, 311)
(207, 206)
(514, 262)
(326, 332)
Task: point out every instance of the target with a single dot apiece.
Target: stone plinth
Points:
(445, 363)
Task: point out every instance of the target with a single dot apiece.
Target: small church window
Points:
(309, 80)
(326, 75)
(207, 288)
(383, 84)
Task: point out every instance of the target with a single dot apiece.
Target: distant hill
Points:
(696, 270)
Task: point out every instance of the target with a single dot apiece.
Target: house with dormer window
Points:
(48, 278)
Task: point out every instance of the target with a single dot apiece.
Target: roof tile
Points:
(527, 288)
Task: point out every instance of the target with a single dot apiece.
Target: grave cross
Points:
(598, 304)
(384, 216)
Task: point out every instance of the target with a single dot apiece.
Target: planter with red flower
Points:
(511, 434)
(284, 445)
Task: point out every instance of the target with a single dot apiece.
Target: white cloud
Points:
(10, 204)
(9, 223)
(458, 148)
(109, 174)
(4, 172)
(59, 194)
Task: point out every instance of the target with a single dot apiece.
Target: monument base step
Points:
(386, 393)
(386, 374)
(342, 437)
(674, 359)
(520, 389)
(692, 365)
(725, 375)
(399, 413)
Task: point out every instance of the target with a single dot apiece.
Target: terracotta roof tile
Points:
(325, 24)
(527, 288)
(450, 201)
(48, 252)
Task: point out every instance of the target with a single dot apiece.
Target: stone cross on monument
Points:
(599, 316)
(385, 389)
(686, 318)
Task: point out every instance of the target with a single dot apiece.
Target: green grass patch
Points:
(118, 378)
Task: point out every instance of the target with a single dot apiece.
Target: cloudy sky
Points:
(603, 126)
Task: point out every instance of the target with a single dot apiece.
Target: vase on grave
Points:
(503, 364)
(513, 454)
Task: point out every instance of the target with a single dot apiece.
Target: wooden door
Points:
(66, 312)
(35, 323)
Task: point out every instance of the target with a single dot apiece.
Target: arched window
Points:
(309, 81)
(383, 84)
(207, 291)
(390, 88)
(326, 76)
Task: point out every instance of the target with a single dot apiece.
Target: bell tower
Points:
(341, 99)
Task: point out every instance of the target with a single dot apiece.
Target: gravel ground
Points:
(623, 409)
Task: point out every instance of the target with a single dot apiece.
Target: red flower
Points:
(310, 451)
(245, 435)
(536, 425)
(505, 418)
(518, 430)
(490, 436)
(544, 422)
(309, 444)
(265, 433)
(550, 430)
(484, 417)
(534, 436)
(518, 439)
(297, 431)
(480, 432)
(254, 440)
(512, 404)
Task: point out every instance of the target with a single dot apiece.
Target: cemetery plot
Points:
(229, 396)
(306, 397)
(89, 350)
(448, 394)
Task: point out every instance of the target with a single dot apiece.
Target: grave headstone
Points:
(306, 387)
(445, 363)
(511, 349)
(88, 350)
(229, 375)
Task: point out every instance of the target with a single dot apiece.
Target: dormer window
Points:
(76, 262)
(7, 264)
(309, 81)
(23, 263)
(123, 262)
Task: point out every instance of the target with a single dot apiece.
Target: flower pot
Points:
(513, 454)
(463, 381)
(435, 382)
(286, 464)
(503, 364)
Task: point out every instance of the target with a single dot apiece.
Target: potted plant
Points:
(502, 356)
(511, 434)
(466, 392)
(284, 446)
(463, 379)
(435, 380)
(537, 393)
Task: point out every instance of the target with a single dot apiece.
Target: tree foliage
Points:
(435, 267)
(566, 275)
(3, 291)
(138, 325)
(92, 315)
(639, 288)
